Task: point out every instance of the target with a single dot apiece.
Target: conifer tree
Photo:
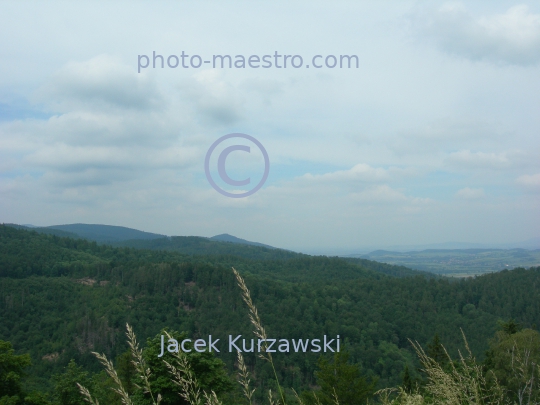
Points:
(435, 350)
(407, 384)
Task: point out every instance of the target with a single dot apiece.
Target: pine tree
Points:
(511, 327)
(408, 383)
(126, 371)
(436, 351)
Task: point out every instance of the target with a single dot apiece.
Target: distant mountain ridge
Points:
(48, 231)
(113, 234)
(104, 233)
(39, 250)
(439, 259)
(225, 237)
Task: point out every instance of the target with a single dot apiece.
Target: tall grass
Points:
(459, 382)
(259, 330)
(463, 382)
(180, 370)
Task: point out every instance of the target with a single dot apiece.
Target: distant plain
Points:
(458, 262)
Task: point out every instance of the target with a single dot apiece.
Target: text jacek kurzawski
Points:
(237, 344)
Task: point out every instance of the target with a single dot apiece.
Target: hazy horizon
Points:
(433, 138)
(530, 244)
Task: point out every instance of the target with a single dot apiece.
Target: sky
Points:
(434, 137)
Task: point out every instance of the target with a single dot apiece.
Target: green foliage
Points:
(342, 382)
(61, 299)
(394, 270)
(408, 383)
(194, 245)
(513, 358)
(11, 371)
(27, 253)
(210, 371)
(466, 382)
(510, 327)
(102, 387)
(37, 398)
(435, 350)
(10, 400)
(126, 371)
(66, 391)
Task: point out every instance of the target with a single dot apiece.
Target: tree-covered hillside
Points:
(62, 298)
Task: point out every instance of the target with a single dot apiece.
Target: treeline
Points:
(507, 375)
(61, 298)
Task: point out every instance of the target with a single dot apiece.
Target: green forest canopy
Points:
(61, 298)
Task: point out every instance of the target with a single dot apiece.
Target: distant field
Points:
(459, 262)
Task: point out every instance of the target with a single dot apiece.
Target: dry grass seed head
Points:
(86, 395)
(243, 378)
(466, 385)
(140, 365)
(109, 368)
(259, 331)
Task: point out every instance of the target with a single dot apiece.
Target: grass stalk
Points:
(140, 365)
(243, 378)
(259, 330)
(86, 395)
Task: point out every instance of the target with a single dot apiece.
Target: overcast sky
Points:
(435, 137)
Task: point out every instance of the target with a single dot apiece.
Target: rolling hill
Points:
(61, 298)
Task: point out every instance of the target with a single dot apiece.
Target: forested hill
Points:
(94, 232)
(225, 237)
(25, 252)
(197, 245)
(105, 233)
(62, 298)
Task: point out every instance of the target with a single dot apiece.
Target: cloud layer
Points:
(414, 146)
(511, 37)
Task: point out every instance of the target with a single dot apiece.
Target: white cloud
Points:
(100, 83)
(213, 98)
(531, 181)
(470, 193)
(481, 160)
(360, 186)
(360, 173)
(512, 37)
(386, 194)
(128, 149)
(448, 134)
(114, 126)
